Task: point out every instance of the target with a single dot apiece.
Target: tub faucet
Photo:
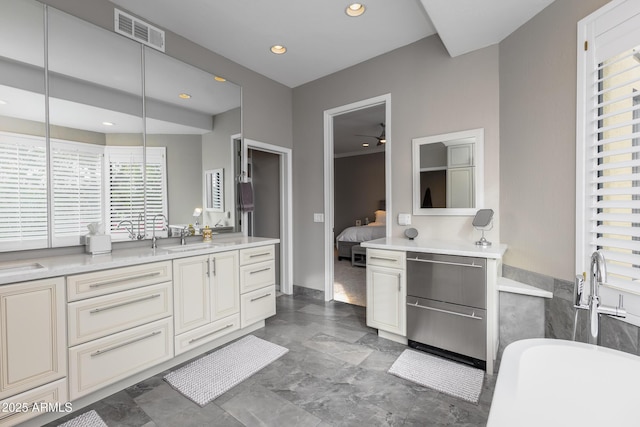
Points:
(598, 276)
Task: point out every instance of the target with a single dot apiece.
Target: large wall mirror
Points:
(448, 173)
(72, 144)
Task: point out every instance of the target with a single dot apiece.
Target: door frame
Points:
(286, 206)
(329, 182)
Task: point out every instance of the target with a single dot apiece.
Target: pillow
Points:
(381, 216)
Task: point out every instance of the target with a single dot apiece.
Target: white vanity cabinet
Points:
(207, 298)
(257, 284)
(32, 338)
(122, 314)
(386, 293)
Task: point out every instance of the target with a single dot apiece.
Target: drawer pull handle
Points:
(260, 271)
(384, 258)
(111, 282)
(99, 309)
(470, 316)
(106, 350)
(257, 255)
(211, 333)
(431, 261)
(263, 296)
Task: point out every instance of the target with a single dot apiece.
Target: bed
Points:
(352, 236)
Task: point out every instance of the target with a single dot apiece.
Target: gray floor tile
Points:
(260, 407)
(335, 374)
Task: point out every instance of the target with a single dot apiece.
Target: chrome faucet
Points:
(140, 236)
(598, 276)
(154, 239)
(129, 230)
(184, 232)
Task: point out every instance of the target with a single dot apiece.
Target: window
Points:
(608, 149)
(77, 189)
(125, 182)
(23, 195)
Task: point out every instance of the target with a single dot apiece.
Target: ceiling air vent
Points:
(138, 30)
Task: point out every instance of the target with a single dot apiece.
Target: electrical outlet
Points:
(318, 217)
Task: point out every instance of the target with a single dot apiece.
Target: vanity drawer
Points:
(204, 334)
(256, 276)
(107, 360)
(257, 305)
(101, 316)
(258, 254)
(81, 286)
(52, 393)
(382, 258)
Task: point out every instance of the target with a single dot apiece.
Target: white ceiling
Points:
(321, 39)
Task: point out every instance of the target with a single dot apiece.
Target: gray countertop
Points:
(63, 265)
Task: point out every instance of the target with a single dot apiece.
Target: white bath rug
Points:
(452, 378)
(210, 376)
(88, 419)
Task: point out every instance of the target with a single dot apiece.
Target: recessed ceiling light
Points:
(184, 96)
(355, 9)
(108, 123)
(365, 144)
(219, 79)
(278, 49)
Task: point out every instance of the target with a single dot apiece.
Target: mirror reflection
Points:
(447, 173)
(23, 173)
(193, 117)
(95, 129)
(95, 139)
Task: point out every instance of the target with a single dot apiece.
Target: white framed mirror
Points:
(448, 173)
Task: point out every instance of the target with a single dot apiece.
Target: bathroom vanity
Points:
(77, 328)
(439, 293)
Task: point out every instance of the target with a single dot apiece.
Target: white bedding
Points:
(362, 233)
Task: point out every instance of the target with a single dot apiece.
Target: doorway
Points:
(269, 169)
(364, 171)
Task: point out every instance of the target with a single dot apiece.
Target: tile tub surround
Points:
(559, 314)
(335, 374)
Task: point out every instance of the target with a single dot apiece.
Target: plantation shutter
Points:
(23, 194)
(125, 184)
(77, 190)
(611, 148)
(126, 199)
(156, 189)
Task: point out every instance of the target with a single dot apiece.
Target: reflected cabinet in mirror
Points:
(448, 176)
(115, 146)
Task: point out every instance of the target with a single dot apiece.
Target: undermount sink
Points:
(192, 247)
(16, 268)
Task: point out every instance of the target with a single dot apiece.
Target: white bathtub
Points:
(546, 382)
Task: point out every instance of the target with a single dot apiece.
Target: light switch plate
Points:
(404, 219)
(318, 217)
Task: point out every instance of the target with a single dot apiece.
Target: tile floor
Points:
(333, 375)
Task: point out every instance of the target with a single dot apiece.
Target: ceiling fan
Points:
(381, 139)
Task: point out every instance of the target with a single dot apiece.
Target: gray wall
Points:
(537, 139)
(358, 189)
(266, 112)
(431, 93)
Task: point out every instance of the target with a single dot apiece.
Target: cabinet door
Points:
(386, 296)
(225, 285)
(32, 335)
(191, 293)
(460, 192)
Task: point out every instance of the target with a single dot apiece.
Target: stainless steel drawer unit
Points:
(446, 305)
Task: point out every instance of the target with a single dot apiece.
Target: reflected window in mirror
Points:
(448, 173)
(23, 174)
